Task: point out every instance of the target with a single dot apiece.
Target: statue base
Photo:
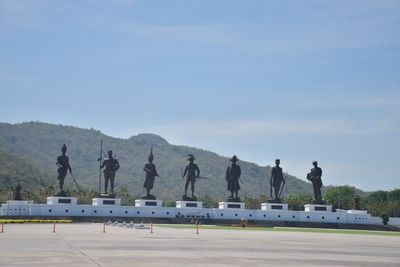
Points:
(186, 198)
(150, 196)
(107, 195)
(317, 208)
(274, 206)
(61, 193)
(319, 202)
(62, 201)
(189, 204)
(106, 201)
(237, 199)
(277, 200)
(231, 205)
(148, 203)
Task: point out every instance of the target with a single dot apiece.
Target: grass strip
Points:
(9, 221)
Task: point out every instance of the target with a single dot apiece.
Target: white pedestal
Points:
(189, 204)
(106, 202)
(231, 205)
(148, 203)
(62, 201)
(358, 212)
(274, 206)
(19, 202)
(317, 208)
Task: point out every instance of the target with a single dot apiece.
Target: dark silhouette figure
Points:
(191, 172)
(112, 165)
(232, 176)
(63, 168)
(357, 205)
(151, 174)
(315, 177)
(276, 180)
(17, 192)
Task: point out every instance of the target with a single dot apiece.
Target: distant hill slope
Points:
(15, 170)
(40, 144)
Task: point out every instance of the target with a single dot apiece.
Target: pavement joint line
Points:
(80, 251)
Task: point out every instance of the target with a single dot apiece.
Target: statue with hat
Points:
(232, 176)
(191, 172)
(276, 182)
(63, 168)
(112, 166)
(315, 178)
(151, 174)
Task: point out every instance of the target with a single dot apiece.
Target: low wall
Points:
(28, 209)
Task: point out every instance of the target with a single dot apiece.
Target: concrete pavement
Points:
(84, 244)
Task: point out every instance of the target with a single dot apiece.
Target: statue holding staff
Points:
(112, 166)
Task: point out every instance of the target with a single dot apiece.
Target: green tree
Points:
(209, 202)
(385, 218)
(297, 201)
(379, 196)
(394, 195)
(341, 197)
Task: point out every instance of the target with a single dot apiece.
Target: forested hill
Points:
(15, 170)
(39, 144)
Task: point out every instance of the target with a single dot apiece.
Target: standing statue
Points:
(232, 176)
(277, 182)
(315, 177)
(112, 165)
(357, 205)
(63, 168)
(191, 172)
(151, 174)
(17, 192)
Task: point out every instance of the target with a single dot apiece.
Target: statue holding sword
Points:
(192, 172)
(277, 182)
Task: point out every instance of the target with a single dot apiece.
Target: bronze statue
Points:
(112, 165)
(277, 181)
(151, 174)
(63, 168)
(357, 205)
(315, 177)
(17, 192)
(191, 172)
(232, 176)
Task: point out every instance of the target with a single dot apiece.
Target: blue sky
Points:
(295, 80)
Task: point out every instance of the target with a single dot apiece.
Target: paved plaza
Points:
(84, 244)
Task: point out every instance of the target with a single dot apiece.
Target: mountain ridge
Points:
(40, 144)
